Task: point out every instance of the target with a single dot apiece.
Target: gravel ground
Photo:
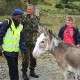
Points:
(47, 69)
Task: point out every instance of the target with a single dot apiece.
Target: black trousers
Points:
(28, 60)
(12, 61)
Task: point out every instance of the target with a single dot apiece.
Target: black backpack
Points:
(1, 23)
(2, 33)
(8, 21)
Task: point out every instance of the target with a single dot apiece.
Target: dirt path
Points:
(46, 68)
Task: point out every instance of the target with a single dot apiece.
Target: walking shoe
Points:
(25, 77)
(33, 74)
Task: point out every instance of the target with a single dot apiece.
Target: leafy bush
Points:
(59, 6)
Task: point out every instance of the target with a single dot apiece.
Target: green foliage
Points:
(60, 6)
(2, 7)
(35, 2)
(72, 6)
(64, 1)
(46, 6)
(7, 6)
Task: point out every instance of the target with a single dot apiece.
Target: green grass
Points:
(76, 2)
(53, 22)
(56, 22)
(55, 18)
(50, 9)
(4, 17)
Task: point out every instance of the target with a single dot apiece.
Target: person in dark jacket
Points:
(30, 23)
(68, 32)
(78, 38)
(11, 42)
(0, 46)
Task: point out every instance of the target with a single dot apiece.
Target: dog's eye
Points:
(42, 41)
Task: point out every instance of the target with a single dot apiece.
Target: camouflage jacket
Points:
(30, 29)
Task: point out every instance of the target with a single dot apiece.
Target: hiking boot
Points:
(25, 77)
(33, 74)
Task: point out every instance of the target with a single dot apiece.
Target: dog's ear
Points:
(50, 32)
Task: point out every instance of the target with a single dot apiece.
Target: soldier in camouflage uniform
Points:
(30, 31)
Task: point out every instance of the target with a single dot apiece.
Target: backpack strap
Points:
(8, 25)
(3, 29)
(8, 21)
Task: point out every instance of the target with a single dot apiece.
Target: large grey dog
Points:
(67, 57)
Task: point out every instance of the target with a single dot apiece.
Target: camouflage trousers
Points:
(28, 60)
